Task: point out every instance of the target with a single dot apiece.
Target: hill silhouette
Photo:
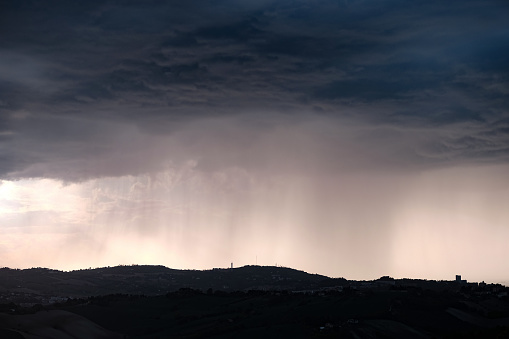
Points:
(153, 280)
(248, 302)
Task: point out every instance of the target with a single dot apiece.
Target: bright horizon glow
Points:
(429, 225)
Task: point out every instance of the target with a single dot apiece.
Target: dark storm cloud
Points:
(78, 77)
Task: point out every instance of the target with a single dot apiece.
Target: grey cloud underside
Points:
(87, 88)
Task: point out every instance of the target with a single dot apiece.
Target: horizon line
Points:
(504, 283)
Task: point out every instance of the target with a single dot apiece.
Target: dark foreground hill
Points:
(247, 302)
(188, 313)
(256, 314)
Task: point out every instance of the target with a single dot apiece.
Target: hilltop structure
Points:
(459, 281)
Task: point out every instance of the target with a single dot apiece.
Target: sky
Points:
(350, 138)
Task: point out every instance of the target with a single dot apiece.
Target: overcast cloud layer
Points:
(95, 88)
(294, 118)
